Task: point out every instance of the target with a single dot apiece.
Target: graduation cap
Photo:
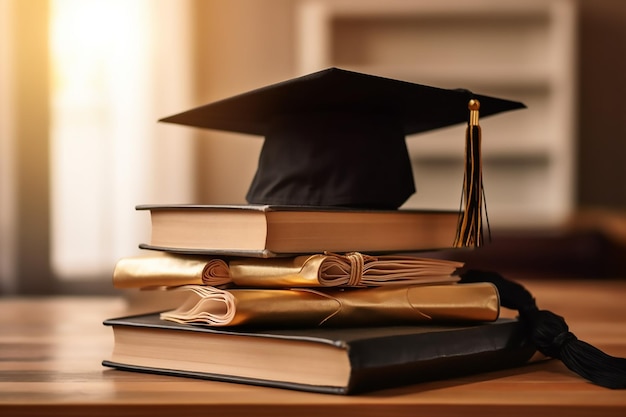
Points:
(337, 138)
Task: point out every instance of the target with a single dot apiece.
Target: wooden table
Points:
(51, 349)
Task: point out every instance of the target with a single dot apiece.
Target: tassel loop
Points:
(551, 336)
(559, 343)
(548, 331)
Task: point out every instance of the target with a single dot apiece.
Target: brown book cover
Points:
(267, 231)
(325, 360)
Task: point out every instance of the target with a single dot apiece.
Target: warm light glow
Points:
(105, 78)
(8, 213)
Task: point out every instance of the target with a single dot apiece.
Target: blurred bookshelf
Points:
(522, 51)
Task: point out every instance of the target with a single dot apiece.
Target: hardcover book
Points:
(266, 230)
(324, 360)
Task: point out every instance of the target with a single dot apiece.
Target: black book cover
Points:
(379, 357)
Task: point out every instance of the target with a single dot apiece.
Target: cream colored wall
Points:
(27, 198)
(240, 45)
(244, 44)
(7, 153)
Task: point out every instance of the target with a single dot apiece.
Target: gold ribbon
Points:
(356, 268)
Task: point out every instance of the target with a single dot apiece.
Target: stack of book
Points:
(317, 299)
(310, 297)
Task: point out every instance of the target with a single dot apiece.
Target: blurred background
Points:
(83, 83)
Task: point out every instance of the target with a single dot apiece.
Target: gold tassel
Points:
(470, 228)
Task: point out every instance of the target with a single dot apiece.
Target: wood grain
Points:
(51, 349)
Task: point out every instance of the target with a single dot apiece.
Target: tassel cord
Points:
(469, 227)
(469, 231)
(486, 212)
(551, 336)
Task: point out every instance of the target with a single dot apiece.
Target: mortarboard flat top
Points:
(337, 137)
(421, 108)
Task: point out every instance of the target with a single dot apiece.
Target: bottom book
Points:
(324, 360)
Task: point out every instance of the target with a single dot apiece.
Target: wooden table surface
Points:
(51, 349)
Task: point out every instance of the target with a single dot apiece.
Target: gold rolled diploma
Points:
(391, 305)
(325, 270)
(169, 270)
(333, 270)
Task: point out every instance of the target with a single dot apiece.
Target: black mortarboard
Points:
(337, 137)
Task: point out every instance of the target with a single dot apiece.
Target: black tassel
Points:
(470, 228)
(551, 336)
